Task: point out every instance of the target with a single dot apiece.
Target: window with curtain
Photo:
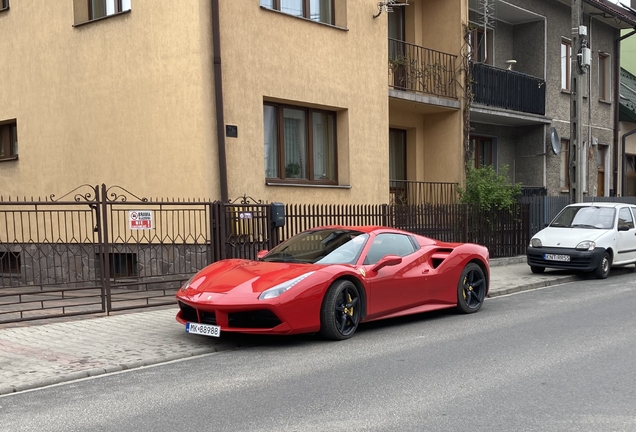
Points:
(315, 10)
(102, 8)
(604, 80)
(300, 144)
(566, 53)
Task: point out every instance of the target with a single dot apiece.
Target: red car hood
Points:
(245, 275)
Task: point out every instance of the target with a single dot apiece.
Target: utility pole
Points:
(579, 62)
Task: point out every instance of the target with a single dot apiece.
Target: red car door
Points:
(393, 287)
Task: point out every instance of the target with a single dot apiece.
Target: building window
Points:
(4, 5)
(566, 55)
(604, 77)
(600, 166)
(122, 265)
(8, 141)
(101, 8)
(10, 262)
(397, 166)
(478, 44)
(630, 175)
(564, 177)
(300, 144)
(315, 10)
(483, 151)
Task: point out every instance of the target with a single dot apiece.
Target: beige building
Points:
(318, 101)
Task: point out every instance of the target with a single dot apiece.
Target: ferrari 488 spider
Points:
(330, 279)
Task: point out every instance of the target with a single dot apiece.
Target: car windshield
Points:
(323, 246)
(591, 217)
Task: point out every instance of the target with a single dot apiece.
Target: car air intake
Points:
(188, 312)
(253, 319)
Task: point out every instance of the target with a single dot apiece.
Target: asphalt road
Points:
(555, 359)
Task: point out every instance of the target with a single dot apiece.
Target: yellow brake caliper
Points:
(349, 311)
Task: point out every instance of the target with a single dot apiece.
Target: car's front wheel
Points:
(341, 311)
(603, 269)
(471, 289)
(537, 269)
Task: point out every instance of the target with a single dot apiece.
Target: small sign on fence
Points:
(246, 215)
(140, 219)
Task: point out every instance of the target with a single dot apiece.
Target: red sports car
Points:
(332, 278)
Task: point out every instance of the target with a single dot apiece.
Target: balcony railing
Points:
(417, 69)
(417, 192)
(508, 89)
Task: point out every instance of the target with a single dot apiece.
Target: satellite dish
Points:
(555, 141)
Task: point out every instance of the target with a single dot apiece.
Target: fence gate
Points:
(49, 256)
(248, 228)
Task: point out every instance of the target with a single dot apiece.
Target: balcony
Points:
(417, 69)
(406, 192)
(508, 89)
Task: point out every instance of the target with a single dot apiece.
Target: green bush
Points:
(488, 189)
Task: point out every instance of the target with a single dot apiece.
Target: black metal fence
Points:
(508, 89)
(422, 70)
(99, 249)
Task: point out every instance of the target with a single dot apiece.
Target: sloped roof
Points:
(627, 96)
(625, 14)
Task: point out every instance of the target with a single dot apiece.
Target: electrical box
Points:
(278, 214)
(586, 57)
(582, 31)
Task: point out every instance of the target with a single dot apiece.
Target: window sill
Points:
(304, 19)
(102, 18)
(566, 91)
(7, 159)
(605, 101)
(308, 185)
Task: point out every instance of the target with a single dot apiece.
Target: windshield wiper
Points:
(584, 226)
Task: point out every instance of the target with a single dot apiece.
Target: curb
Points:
(496, 262)
(535, 285)
(73, 376)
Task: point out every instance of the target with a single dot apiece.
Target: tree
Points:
(489, 189)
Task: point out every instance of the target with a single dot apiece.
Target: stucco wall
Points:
(125, 100)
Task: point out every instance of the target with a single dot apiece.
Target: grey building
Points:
(521, 51)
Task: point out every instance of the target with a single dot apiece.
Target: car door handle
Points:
(425, 271)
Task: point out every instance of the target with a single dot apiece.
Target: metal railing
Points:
(417, 69)
(508, 89)
(418, 192)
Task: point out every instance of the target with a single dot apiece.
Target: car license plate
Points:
(553, 257)
(203, 329)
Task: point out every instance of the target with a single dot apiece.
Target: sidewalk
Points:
(36, 355)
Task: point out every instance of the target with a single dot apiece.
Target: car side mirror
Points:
(261, 253)
(623, 228)
(386, 261)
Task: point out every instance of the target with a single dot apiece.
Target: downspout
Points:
(623, 143)
(218, 96)
(617, 100)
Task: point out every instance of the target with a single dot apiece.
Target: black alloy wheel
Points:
(471, 289)
(341, 311)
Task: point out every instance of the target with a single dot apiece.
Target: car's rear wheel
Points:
(471, 289)
(341, 311)
(603, 269)
(537, 269)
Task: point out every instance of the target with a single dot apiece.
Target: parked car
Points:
(330, 279)
(590, 237)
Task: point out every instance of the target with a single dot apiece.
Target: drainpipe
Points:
(617, 103)
(218, 96)
(623, 142)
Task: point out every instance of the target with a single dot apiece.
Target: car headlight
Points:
(535, 242)
(281, 288)
(586, 245)
(187, 284)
